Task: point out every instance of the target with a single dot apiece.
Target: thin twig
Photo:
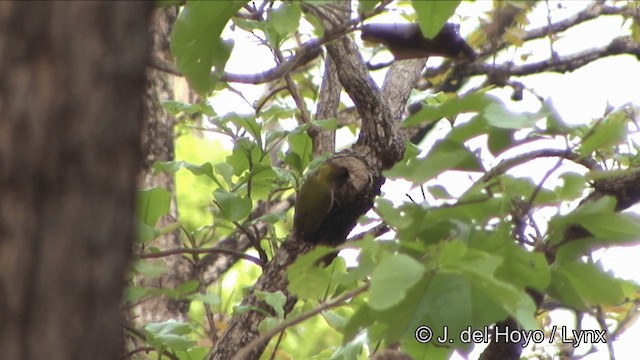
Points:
(507, 164)
(375, 231)
(295, 93)
(254, 241)
(244, 352)
(258, 106)
(210, 250)
(600, 317)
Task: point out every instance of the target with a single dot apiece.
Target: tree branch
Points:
(215, 264)
(507, 164)
(379, 140)
(591, 12)
(562, 64)
(210, 250)
(244, 352)
(371, 154)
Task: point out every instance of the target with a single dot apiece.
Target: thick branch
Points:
(562, 64)
(309, 51)
(591, 12)
(507, 164)
(329, 99)
(243, 328)
(379, 138)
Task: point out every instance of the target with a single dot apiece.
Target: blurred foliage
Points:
(455, 259)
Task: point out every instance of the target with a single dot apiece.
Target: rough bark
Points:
(158, 145)
(71, 99)
(325, 141)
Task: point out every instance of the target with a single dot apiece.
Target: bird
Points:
(406, 41)
(316, 197)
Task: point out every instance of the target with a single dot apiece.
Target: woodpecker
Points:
(316, 198)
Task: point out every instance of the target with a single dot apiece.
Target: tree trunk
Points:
(158, 145)
(71, 100)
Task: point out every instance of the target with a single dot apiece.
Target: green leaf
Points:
(601, 207)
(275, 136)
(580, 285)
(611, 225)
(226, 171)
(352, 349)
(307, 280)
(284, 175)
(233, 206)
(334, 319)
(463, 293)
(490, 294)
(135, 293)
(187, 287)
(499, 140)
(432, 15)
(364, 6)
(248, 25)
(175, 108)
(468, 130)
(150, 268)
(366, 263)
(276, 300)
(244, 152)
(522, 188)
(499, 116)
(146, 233)
(523, 268)
(573, 185)
(555, 124)
(285, 19)
(301, 150)
(152, 204)
(327, 124)
(194, 353)
(268, 323)
(250, 124)
(391, 214)
(439, 192)
(429, 351)
(598, 175)
(196, 42)
(444, 155)
(198, 170)
(609, 133)
(391, 280)
(607, 227)
(262, 180)
(474, 102)
(165, 3)
(210, 299)
(169, 334)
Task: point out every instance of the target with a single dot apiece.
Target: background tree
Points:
(71, 103)
(493, 254)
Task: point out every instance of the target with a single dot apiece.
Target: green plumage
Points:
(316, 197)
